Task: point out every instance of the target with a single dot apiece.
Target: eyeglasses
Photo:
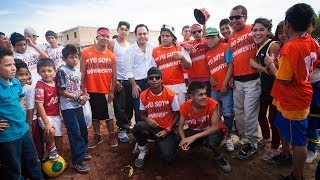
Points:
(235, 17)
(150, 78)
(196, 31)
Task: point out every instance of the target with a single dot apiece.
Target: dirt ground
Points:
(115, 163)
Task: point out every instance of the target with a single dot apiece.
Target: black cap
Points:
(51, 33)
(124, 23)
(154, 70)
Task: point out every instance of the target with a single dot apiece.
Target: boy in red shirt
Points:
(292, 90)
(201, 115)
(159, 110)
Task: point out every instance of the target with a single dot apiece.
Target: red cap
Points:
(196, 27)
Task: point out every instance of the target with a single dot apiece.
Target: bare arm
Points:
(41, 53)
(30, 113)
(83, 70)
(180, 127)
(227, 78)
(256, 65)
(43, 116)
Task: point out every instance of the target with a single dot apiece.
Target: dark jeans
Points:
(314, 122)
(19, 157)
(77, 133)
(123, 105)
(268, 122)
(213, 140)
(167, 146)
(143, 84)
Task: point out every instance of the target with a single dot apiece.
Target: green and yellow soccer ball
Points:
(53, 168)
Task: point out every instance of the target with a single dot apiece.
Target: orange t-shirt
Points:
(99, 65)
(198, 120)
(297, 60)
(217, 63)
(243, 48)
(171, 69)
(159, 108)
(198, 69)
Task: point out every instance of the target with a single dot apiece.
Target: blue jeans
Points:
(227, 107)
(143, 84)
(77, 133)
(19, 157)
(314, 122)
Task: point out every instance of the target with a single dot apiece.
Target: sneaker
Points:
(281, 160)
(223, 163)
(229, 145)
(241, 143)
(123, 137)
(141, 157)
(135, 149)
(311, 156)
(82, 168)
(97, 139)
(113, 140)
(246, 152)
(268, 155)
(87, 156)
(53, 155)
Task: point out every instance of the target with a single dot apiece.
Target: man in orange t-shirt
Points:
(200, 114)
(247, 89)
(159, 110)
(99, 77)
(171, 59)
(292, 90)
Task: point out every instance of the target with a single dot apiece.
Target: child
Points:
(292, 90)
(219, 62)
(48, 112)
(17, 151)
(54, 51)
(71, 101)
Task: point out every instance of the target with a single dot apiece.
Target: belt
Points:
(247, 77)
(140, 80)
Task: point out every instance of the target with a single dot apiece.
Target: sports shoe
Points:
(87, 156)
(223, 163)
(246, 152)
(311, 156)
(229, 145)
(241, 143)
(97, 139)
(141, 157)
(268, 155)
(281, 160)
(82, 168)
(113, 142)
(53, 155)
(123, 137)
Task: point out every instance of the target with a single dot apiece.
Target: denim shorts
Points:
(293, 131)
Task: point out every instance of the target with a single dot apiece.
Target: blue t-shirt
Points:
(11, 110)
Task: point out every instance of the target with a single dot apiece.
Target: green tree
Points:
(316, 32)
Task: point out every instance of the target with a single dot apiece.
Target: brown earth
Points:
(114, 163)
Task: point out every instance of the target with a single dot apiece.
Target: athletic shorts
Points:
(56, 122)
(295, 132)
(101, 109)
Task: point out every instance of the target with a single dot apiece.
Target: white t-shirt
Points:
(29, 102)
(31, 57)
(56, 55)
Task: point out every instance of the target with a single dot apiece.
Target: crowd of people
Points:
(182, 94)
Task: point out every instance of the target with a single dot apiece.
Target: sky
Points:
(60, 15)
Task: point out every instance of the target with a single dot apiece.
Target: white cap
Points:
(30, 31)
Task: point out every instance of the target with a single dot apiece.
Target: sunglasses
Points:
(150, 78)
(196, 31)
(235, 17)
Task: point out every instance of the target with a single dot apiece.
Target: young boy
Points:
(292, 90)
(71, 100)
(219, 62)
(48, 111)
(200, 113)
(54, 51)
(17, 151)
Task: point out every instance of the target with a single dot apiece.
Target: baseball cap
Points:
(168, 27)
(195, 27)
(51, 33)
(30, 31)
(210, 31)
(124, 24)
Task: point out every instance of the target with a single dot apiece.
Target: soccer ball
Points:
(53, 168)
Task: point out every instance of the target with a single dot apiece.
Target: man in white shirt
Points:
(138, 61)
(33, 35)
